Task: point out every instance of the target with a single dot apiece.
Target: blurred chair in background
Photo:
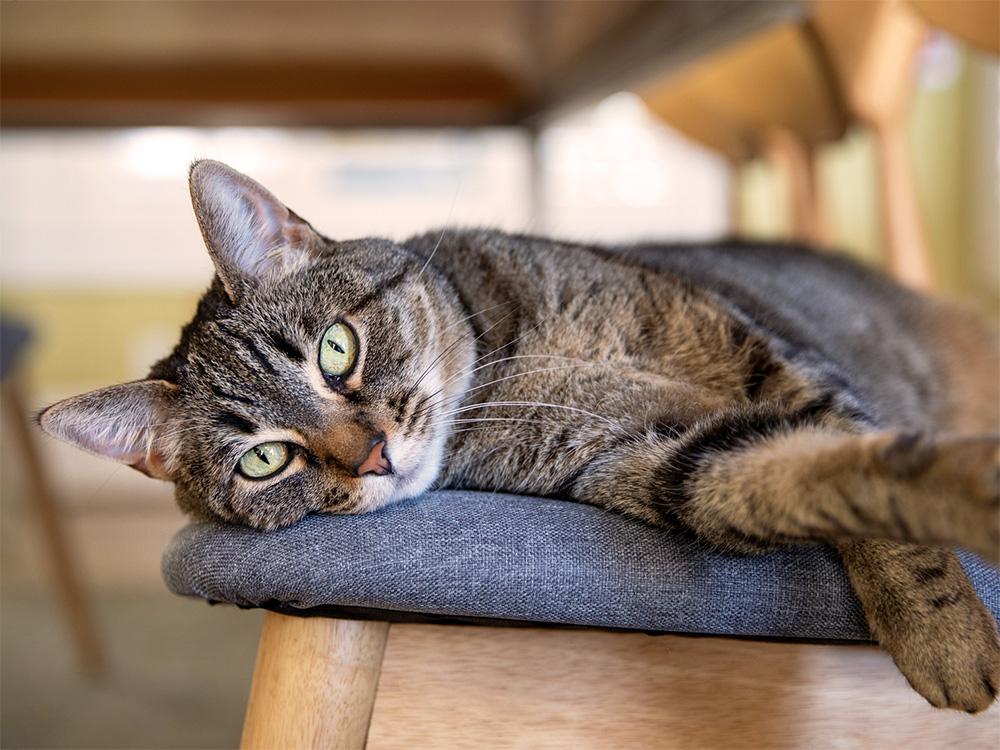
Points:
(974, 21)
(873, 49)
(15, 338)
(790, 90)
(770, 96)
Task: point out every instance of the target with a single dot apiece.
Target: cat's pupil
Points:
(337, 347)
(261, 456)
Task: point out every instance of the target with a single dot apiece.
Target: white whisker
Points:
(544, 404)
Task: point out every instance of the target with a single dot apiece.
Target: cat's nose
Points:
(376, 462)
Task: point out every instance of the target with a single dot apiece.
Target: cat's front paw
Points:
(958, 478)
(952, 665)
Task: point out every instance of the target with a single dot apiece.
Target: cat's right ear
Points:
(249, 233)
(123, 422)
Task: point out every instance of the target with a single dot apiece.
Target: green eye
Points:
(338, 350)
(264, 460)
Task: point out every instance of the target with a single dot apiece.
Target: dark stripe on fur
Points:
(926, 575)
(219, 393)
(946, 600)
(236, 422)
(252, 349)
(671, 481)
(760, 366)
(379, 290)
(286, 347)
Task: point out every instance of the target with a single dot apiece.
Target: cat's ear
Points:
(249, 233)
(123, 422)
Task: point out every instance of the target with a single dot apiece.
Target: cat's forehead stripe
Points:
(227, 396)
(380, 289)
(253, 350)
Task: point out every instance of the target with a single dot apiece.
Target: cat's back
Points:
(836, 318)
(823, 308)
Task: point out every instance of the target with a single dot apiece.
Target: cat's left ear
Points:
(124, 422)
(249, 233)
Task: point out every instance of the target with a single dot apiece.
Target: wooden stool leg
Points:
(314, 683)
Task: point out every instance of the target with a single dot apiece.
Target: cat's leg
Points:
(751, 479)
(924, 612)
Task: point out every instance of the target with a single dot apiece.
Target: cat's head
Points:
(313, 378)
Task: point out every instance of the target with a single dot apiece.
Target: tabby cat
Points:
(757, 395)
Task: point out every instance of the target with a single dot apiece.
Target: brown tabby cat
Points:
(757, 395)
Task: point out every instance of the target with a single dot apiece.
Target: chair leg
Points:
(314, 683)
(906, 253)
(795, 161)
(72, 595)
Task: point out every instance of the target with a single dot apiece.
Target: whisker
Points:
(451, 346)
(444, 230)
(533, 372)
(513, 357)
(422, 405)
(544, 404)
(491, 419)
(480, 358)
(469, 317)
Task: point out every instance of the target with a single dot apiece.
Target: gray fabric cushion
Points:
(489, 555)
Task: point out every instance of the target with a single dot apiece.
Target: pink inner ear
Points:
(151, 465)
(271, 214)
(115, 422)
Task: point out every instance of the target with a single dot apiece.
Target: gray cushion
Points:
(489, 555)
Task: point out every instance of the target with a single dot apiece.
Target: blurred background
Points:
(871, 127)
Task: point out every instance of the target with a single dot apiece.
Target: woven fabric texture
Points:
(490, 555)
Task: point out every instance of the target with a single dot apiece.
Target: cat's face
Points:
(314, 377)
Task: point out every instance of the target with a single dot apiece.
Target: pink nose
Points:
(376, 462)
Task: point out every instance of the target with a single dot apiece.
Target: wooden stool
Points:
(317, 685)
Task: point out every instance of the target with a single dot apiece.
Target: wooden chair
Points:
(873, 48)
(976, 22)
(323, 683)
(338, 674)
(770, 96)
(787, 92)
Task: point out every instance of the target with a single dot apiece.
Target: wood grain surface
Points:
(314, 683)
(472, 687)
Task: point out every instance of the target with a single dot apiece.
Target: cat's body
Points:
(610, 329)
(755, 396)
